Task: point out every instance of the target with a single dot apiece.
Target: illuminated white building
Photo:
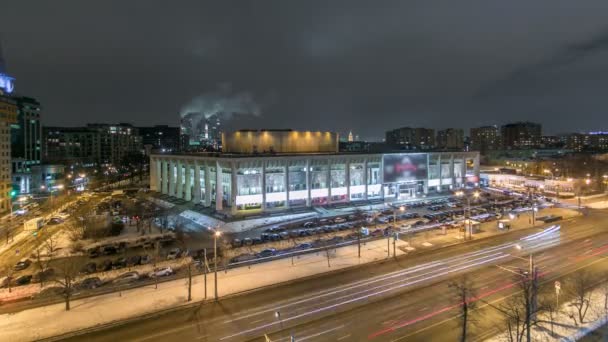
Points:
(243, 182)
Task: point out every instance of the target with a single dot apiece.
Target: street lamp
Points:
(216, 235)
(468, 223)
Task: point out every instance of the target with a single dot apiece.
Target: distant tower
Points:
(6, 82)
(350, 136)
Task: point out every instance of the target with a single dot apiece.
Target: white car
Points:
(161, 272)
(126, 278)
(339, 220)
(174, 253)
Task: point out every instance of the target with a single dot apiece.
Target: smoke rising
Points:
(223, 102)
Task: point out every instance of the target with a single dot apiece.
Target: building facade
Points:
(161, 137)
(242, 183)
(592, 141)
(94, 144)
(411, 138)
(450, 139)
(485, 138)
(26, 133)
(8, 116)
(521, 135)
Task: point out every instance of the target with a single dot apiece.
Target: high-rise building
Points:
(350, 136)
(521, 135)
(592, 141)
(485, 138)
(8, 116)
(161, 138)
(94, 144)
(26, 133)
(199, 131)
(411, 138)
(450, 139)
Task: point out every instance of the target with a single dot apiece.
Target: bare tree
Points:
(189, 281)
(67, 272)
(580, 290)
(42, 264)
(51, 245)
(9, 278)
(464, 293)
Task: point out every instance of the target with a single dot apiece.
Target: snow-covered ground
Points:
(243, 225)
(565, 322)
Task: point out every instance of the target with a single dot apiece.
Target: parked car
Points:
(134, 260)
(22, 264)
(247, 242)
(23, 280)
(109, 250)
(267, 252)
(90, 283)
(146, 259)
(89, 268)
(4, 281)
(308, 225)
(161, 272)
(174, 253)
(275, 237)
(119, 263)
(54, 220)
(126, 278)
(106, 265)
(339, 220)
(236, 243)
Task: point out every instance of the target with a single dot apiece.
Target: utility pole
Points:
(205, 270)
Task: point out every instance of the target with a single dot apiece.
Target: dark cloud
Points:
(365, 66)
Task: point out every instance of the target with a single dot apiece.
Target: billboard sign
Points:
(405, 167)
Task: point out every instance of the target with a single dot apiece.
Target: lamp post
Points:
(388, 235)
(532, 278)
(216, 234)
(468, 223)
(580, 190)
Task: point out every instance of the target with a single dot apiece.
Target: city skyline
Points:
(399, 72)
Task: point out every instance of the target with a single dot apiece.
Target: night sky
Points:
(365, 66)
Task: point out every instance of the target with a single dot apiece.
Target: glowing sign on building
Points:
(6, 83)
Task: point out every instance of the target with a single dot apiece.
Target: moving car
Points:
(161, 272)
(126, 278)
(267, 252)
(174, 253)
(90, 283)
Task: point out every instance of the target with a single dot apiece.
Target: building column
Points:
(188, 192)
(207, 185)
(233, 187)
(153, 176)
(365, 181)
(263, 185)
(425, 186)
(328, 181)
(347, 176)
(180, 181)
(164, 176)
(197, 182)
(452, 171)
(464, 171)
(308, 189)
(476, 166)
(219, 196)
(158, 174)
(286, 179)
(172, 178)
(439, 173)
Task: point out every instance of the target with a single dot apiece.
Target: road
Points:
(403, 300)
